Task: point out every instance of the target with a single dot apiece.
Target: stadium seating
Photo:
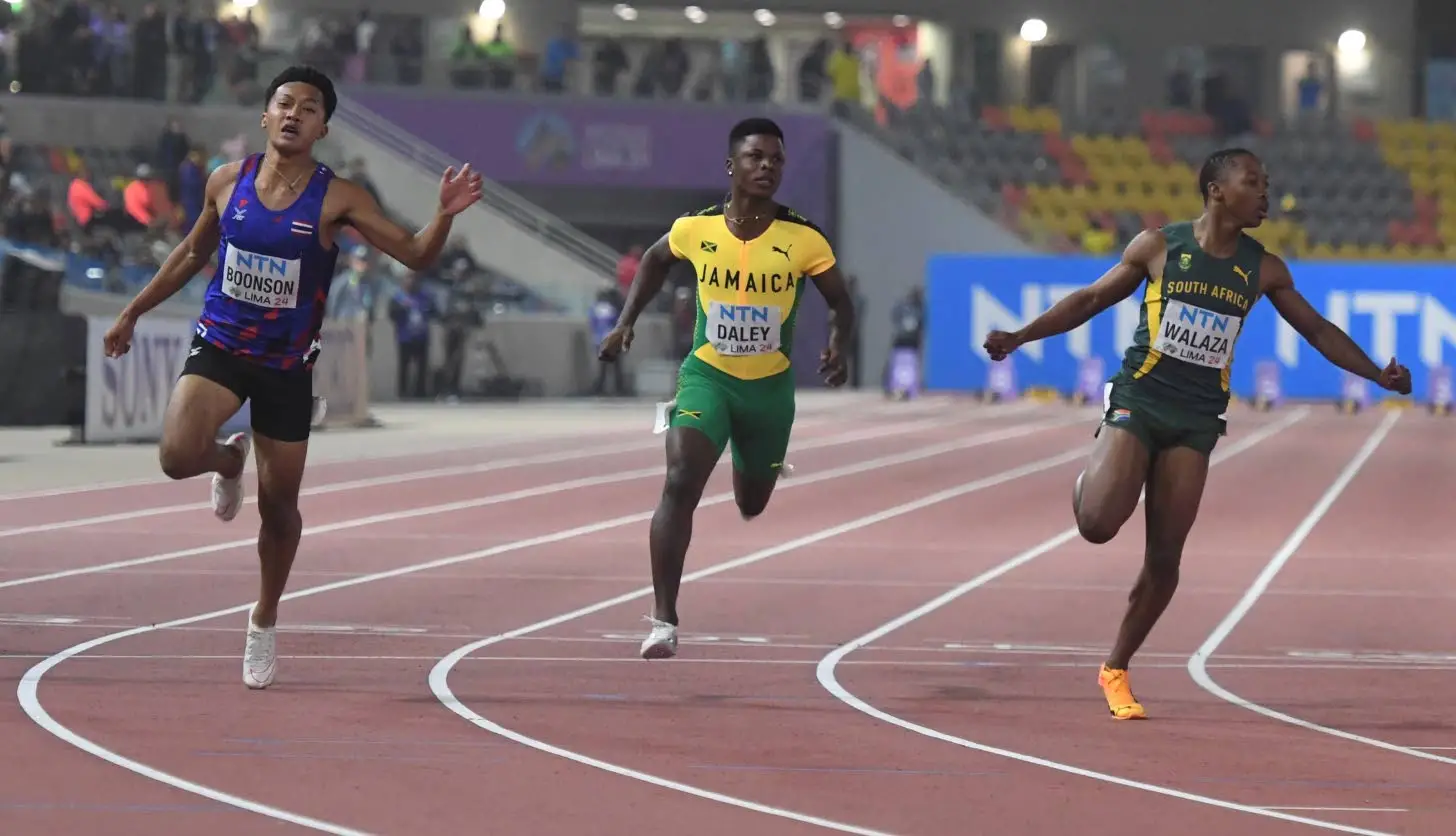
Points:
(1360, 191)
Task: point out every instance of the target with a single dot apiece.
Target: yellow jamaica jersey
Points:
(748, 291)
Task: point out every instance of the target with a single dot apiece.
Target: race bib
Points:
(1194, 335)
(738, 330)
(261, 280)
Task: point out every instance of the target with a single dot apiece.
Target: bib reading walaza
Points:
(263, 280)
(1194, 335)
(740, 330)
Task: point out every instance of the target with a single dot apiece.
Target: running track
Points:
(905, 643)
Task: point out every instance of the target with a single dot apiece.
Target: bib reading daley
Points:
(1165, 409)
(272, 220)
(751, 257)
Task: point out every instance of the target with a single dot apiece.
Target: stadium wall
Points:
(892, 218)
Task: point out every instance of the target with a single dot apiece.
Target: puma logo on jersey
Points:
(1242, 274)
(783, 252)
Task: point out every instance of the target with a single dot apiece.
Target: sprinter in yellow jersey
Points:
(752, 258)
(1165, 406)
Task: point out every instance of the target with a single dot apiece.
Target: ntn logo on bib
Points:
(743, 329)
(263, 280)
(1198, 336)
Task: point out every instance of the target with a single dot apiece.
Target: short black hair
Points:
(1217, 165)
(753, 126)
(304, 74)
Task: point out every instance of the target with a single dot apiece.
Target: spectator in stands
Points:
(145, 200)
(149, 48)
(467, 60)
(604, 313)
(352, 294)
(114, 34)
(670, 69)
(732, 68)
(185, 44)
(173, 146)
(608, 64)
(907, 322)
(814, 71)
(844, 73)
(627, 267)
(500, 61)
(192, 187)
(364, 30)
(82, 199)
(460, 318)
(457, 251)
(925, 82)
(561, 53)
(78, 51)
(242, 72)
(1311, 88)
(761, 76)
(408, 52)
(28, 220)
(411, 310)
(1180, 86)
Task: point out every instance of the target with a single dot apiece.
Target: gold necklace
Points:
(291, 184)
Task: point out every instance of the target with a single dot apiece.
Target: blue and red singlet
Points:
(267, 299)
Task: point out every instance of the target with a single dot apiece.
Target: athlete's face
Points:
(1244, 191)
(295, 117)
(757, 165)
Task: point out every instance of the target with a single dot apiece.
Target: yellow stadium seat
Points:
(1047, 119)
(1021, 118)
(1402, 252)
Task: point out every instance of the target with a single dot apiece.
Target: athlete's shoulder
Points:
(1177, 231)
(1252, 245)
(791, 216)
(687, 220)
(708, 212)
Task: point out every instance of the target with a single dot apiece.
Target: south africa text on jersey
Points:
(263, 280)
(1194, 335)
(753, 283)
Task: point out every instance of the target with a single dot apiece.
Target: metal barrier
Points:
(530, 217)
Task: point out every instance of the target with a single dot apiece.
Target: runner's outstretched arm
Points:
(419, 250)
(1324, 336)
(841, 324)
(1084, 303)
(651, 273)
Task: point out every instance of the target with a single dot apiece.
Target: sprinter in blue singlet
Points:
(272, 220)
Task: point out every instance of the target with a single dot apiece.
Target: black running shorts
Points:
(282, 400)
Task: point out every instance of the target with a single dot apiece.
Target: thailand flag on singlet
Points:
(266, 301)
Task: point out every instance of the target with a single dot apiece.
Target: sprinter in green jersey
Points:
(1165, 408)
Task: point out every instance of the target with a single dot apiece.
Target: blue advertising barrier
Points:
(1407, 311)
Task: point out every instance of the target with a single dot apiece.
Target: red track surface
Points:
(354, 736)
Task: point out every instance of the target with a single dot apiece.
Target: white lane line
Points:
(389, 480)
(28, 690)
(1344, 809)
(1198, 662)
(440, 675)
(830, 681)
(529, 493)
